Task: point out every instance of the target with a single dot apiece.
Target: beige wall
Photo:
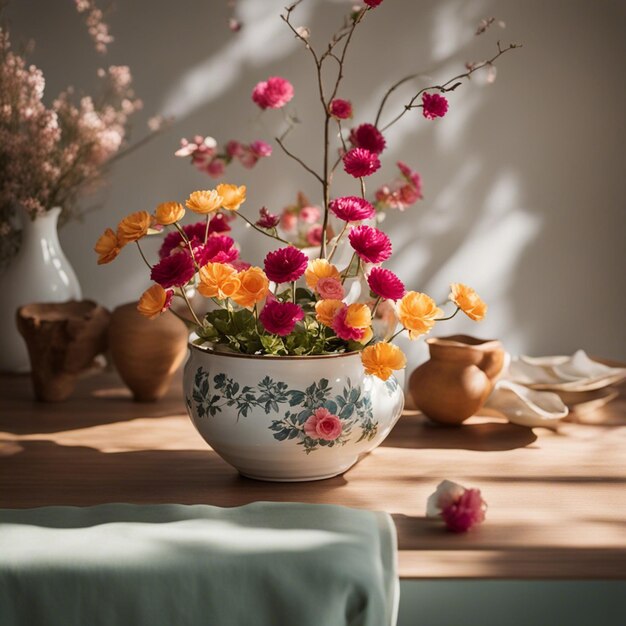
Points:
(524, 180)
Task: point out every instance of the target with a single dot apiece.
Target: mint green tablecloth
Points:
(173, 565)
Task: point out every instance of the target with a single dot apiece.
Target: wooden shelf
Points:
(557, 501)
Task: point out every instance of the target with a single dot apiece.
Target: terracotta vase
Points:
(146, 353)
(455, 383)
(63, 340)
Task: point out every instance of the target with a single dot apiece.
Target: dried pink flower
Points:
(360, 162)
(402, 192)
(273, 93)
(314, 235)
(369, 137)
(371, 244)
(267, 219)
(285, 264)
(340, 109)
(352, 208)
(373, 3)
(330, 289)
(434, 105)
(217, 249)
(385, 284)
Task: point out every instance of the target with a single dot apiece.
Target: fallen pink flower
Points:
(460, 508)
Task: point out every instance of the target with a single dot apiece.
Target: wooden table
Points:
(557, 500)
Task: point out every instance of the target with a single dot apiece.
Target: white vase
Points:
(39, 273)
(256, 411)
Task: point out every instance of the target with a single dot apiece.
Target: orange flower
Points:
(325, 310)
(169, 212)
(320, 268)
(382, 359)
(107, 247)
(418, 313)
(204, 202)
(154, 301)
(253, 288)
(358, 316)
(232, 196)
(468, 301)
(133, 227)
(218, 280)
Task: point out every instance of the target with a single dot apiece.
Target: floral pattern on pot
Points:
(316, 416)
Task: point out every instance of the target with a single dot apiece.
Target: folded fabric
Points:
(173, 565)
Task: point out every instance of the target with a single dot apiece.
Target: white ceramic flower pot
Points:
(289, 418)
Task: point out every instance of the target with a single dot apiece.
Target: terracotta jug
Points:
(146, 353)
(455, 383)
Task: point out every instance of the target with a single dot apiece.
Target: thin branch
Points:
(264, 232)
(391, 89)
(299, 160)
(453, 83)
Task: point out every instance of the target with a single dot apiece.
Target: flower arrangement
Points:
(50, 154)
(295, 304)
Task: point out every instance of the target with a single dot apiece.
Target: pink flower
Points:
(314, 236)
(323, 425)
(373, 3)
(341, 328)
(261, 148)
(216, 167)
(273, 93)
(249, 155)
(340, 109)
(371, 244)
(279, 318)
(385, 283)
(459, 507)
(360, 162)
(310, 214)
(288, 221)
(285, 264)
(233, 148)
(174, 270)
(195, 233)
(267, 219)
(434, 105)
(369, 137)
(330, 289)
(218, 249)
(240, 265)
(352, 208)
(403, 192)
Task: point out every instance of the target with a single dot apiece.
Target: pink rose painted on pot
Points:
(323, 425)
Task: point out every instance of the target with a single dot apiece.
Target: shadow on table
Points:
(42, 473)
(416, 432)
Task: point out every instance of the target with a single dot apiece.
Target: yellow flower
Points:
(107, 247)
(320, 268)
(418, 313)
(204, 202)
(218, 280)
(133, 227)
(468, 301)
(369, 333)
(325, 310)
(254, 286)
(232, 196)
(169, 212)
(358, 316)
(382, 359)
(154, 301)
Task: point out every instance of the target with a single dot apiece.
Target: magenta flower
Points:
(174, 270)
(261, 148)
(267, 219)
(373, 3)
(385, 283)
(360, 162)
(340, 109)
(352, 209)
(217, 249)
(314, 236)
(273, 93)
(466, 512)
(459, 507)
(195, 233)
(434, 105)
(285, 264)
(323, 425)
(234, 148)
(342, 330)
(279, 318)
(249, 155)
(369, 137)
(371, 244)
